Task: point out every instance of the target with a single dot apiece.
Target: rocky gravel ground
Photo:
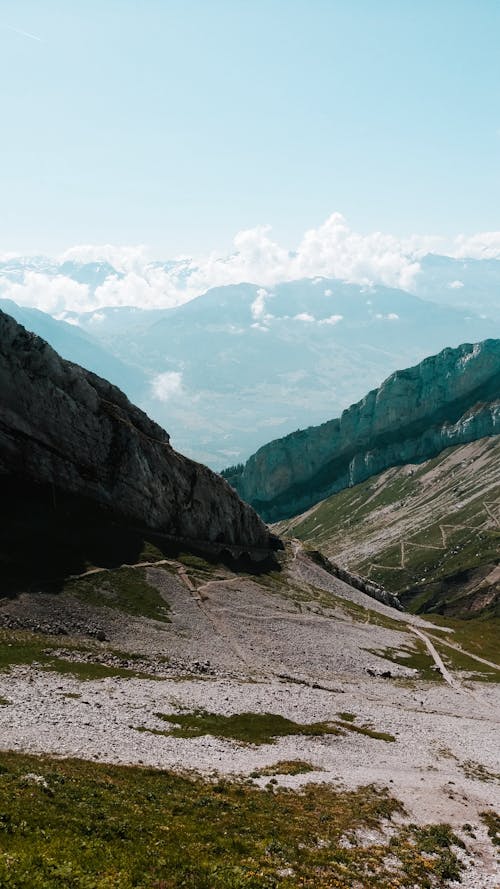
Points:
(237, 645)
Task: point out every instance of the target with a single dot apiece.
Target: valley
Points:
(164, 652)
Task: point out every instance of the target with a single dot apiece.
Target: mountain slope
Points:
(447, 399)
(429, 532)
(71, 445)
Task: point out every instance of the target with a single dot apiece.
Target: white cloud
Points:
(332, 250)
(258, 306)
(304, 316)
(333, 319)
(124, 259)
(391, 316)
(52, 294)
(455, 285)
(484, 245)
(167, 385)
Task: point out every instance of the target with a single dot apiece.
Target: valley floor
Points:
(298, 644)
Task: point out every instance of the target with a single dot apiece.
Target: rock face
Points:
(448, 399)
(63, 426)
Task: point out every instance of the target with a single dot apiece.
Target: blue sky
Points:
(176, 123)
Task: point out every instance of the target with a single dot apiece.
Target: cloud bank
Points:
(128, 277)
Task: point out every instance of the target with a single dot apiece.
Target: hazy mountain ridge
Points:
(75, 344)
(240, 364)
(447, 399)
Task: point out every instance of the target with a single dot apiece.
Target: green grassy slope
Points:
(428, 532)
(76, 825)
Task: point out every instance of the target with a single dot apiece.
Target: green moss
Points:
(124, 589)
(90, 826)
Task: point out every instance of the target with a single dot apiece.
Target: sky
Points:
(177, 123)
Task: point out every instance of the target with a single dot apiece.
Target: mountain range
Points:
(149, 617)
(231, 369)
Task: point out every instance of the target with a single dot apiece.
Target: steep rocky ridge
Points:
(447, 399)
(428, 532)
(66, 430)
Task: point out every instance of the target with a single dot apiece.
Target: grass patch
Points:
(478, 772)
(460, 661)
(19, 647)
(478, 635)
(492, 822)
(416, 658)
(124, 589)
(286, 767)
(4, 702)
(366, 730)
(249, 728)
(88, 671)
(254, 728)
(90, 826)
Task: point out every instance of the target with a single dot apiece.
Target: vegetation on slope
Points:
(22, 647)
(429, 532)
(76, 825)
(255, 728)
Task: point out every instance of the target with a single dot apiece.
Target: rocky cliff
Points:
(448, 399)
(64, 427)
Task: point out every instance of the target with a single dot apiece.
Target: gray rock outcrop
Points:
(63, 426)
(448, 399)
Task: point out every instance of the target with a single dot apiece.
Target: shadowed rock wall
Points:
(63, 426)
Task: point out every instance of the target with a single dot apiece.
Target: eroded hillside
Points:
(429, 532)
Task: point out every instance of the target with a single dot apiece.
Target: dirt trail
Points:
(123, 565)
(437, 660)
(220, 626)
(474, 657)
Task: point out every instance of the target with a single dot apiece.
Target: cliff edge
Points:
(448, 399)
